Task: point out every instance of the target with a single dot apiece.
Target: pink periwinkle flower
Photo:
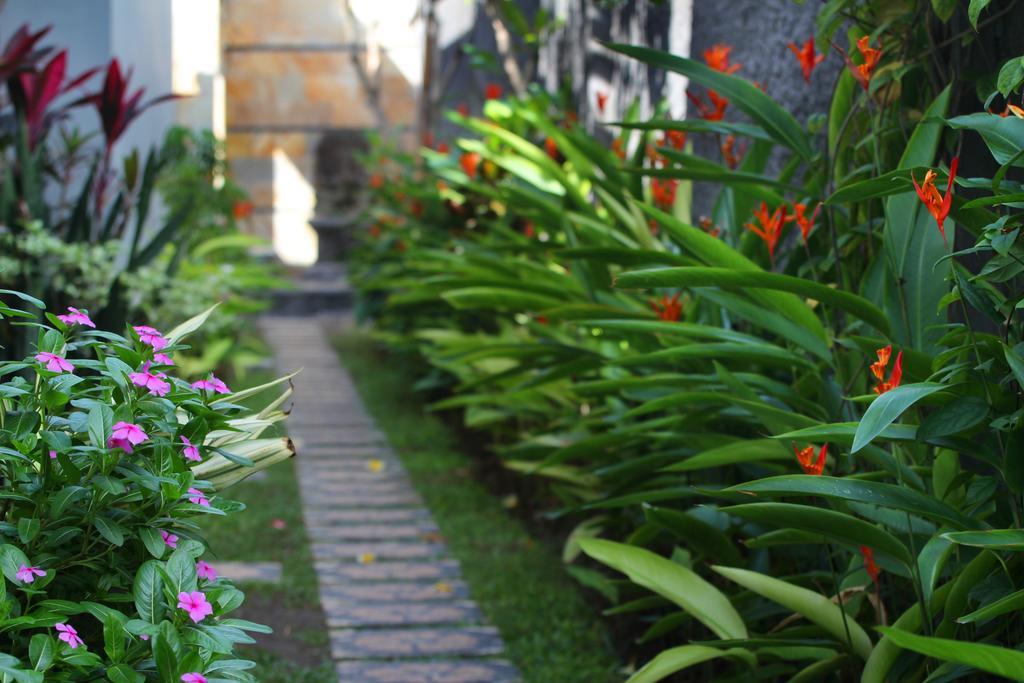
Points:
(205, 571)
(195, 604)
(53, 455)
(69, 635)
(76, 317)
(212, 384)
(194, 677)
(125, 436)
(29, 574)
(151, 335)
(162, 359)
(55, 363)
(196, 497)
(191, 451)
(169, 539)
(155, 383)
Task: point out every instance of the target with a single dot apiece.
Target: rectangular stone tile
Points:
(395, 591)
(346, 489)
(263, 572)
(349, 501)
(469, 641)
(383, 550)
(323, 516)
(426, 531)
(427, 570)
(350, 473)
(459, 671)
(375, 614)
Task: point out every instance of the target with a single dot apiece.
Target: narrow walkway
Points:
(396, 608)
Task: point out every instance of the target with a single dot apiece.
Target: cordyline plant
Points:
(796, 422)
(107, 461)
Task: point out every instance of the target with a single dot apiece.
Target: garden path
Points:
(396, 608)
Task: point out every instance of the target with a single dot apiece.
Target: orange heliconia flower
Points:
(1013, 109)
(717, 57)
(663, 192)
(602, 100)
(492, 91)
(937, 205)
(675, 138)
(807, 57)
(878, 370)
(668, 309)
(803, 221)
(864, 71)
(713, 112)
(242, 209)
(551, 148)
(654, 227)
(470, 162)
(463, 108)
(708, 226)
(869, 563)
(769, 227)
(618, 148)
(731, 157)
(810, 465)
(376, 181)
(654, 156)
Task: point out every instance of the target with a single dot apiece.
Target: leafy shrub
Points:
(107, 460)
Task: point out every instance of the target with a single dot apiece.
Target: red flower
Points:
(470, 162)
(805, 223)
(864, 71)
(708, 226)
(732, 158)
(937, 205)
(668, 309)
(810, 465)
(878, 370)
(869, 563)
(528, 229)
(675, 138)
(602, 101)
(664, 192)
(769, 227)
(242, 209)
(717, 57)
(376, 181)
(807, 57)
(492, 91)
(618, 148)
(716, 110)
(463, 108)
(551, 148)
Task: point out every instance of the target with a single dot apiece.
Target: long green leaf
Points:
(678, 658)
(885, 409)
(995, 660)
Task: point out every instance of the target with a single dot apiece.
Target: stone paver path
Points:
(395, 606)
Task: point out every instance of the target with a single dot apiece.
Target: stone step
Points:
(469, 641)
(396, 591)
(336, 571)
(344, 614)
(381, 550)
(480, 671)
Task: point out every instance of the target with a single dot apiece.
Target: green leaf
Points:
(122, 673)
(994, 539)
(995, 660)
(41, 651)
(975, 9)
(676, 659)
(732, 279)
(761, 108)
(113, 637)
(147, 590)
(190, 325)
(109, 530)
(672, 581)
(11, 560)
(101, 422)
(698, 534)
(752, 450)
(944, 9)
(959, 415)
(835, 525)
(1010, 76)
(815, 607)
(1003, 135)
(885, 409)
(1008, 603)
(892, 182)
(858, 490)
(153, 541)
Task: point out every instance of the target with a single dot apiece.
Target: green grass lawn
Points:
(520, 583)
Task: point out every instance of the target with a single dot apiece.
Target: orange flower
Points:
(675, 138)
(618, 148)
(654, 227)
(654, 156)
(732, 158)
(807, 57)
(376, 181)
(708, 226)
(470, 163)
(443, 148)
(719, 103)
(937, 205)
(463, 108)
(717, 57)
(492, 91)
(668, 309)
(602, 101)
(528, 229)
(805, 223)
(810, 465)
(869, 563)
(1013, 109)
(551, 148)
(864, 71)
(878, 370)
(242, 209)
(769, 227)
(664, 192)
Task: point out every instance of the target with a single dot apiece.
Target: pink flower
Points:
(195, 604)
(125, 436)
(196, 497)
(162, 359)
(69, 635)
(29, 574)
(191, 451)
(54, 363)
(212, 384)
(76, 317)
(278, 523)
(170, 539)
(150, 335)
(194, 677)
(153, 382)
(53, 455)
(205, 571)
